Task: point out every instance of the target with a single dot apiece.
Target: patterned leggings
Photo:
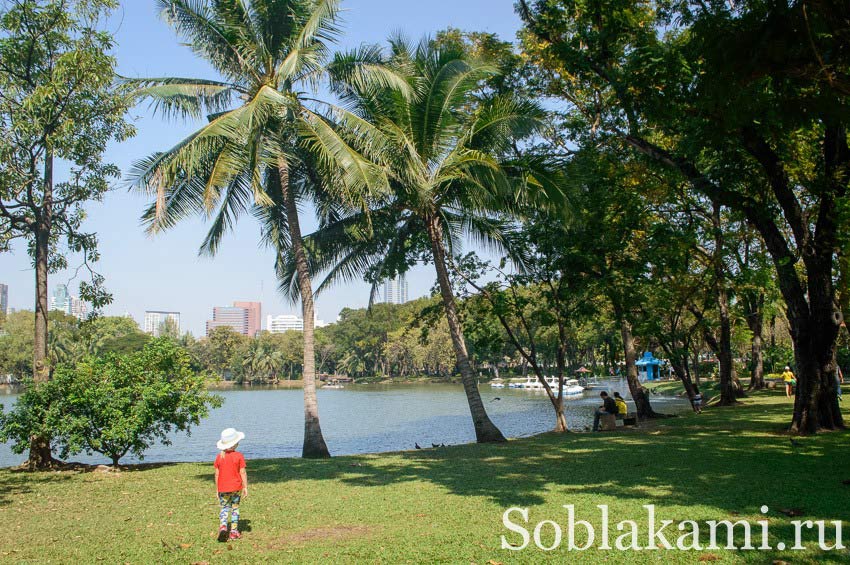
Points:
(229, 502)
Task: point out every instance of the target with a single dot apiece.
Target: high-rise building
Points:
(255, 316)
(4, 299)
(229, 316)
(284, 323)
(395, 290)
(79, 308)
(157, 322)
(287, 322)
(64, 302)
(61, 299)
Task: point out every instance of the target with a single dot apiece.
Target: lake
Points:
(363, 419)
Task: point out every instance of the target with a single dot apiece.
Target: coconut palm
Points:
(443, 151)
(268, 143)
(262, 360)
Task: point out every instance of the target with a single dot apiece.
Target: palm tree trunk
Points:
(485, 429)
(40, 456)
(314, 443)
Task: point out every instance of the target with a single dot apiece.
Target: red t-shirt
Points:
(229, 463)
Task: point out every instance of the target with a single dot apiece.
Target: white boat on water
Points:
(497, 385)
(571, 387)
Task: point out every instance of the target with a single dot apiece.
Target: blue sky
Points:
(165, 272)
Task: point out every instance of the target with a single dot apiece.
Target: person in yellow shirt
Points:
(622, 409)
(790, 381)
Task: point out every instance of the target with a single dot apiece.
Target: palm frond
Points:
(207, 36)
(182, 98)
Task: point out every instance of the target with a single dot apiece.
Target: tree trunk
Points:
(723, 348)
(843, 284)
(40, 456)
(696, 367)
(485, 429)
(314, 443)
(40, 369)
(729, 390)
(816, 402)
(755, 321)
(679, 363)
(641, 399)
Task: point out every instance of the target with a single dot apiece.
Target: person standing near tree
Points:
(697, 400)
(790, 381)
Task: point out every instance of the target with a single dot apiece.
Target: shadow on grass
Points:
(16, 483)
(731, 459)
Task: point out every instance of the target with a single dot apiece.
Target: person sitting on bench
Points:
(622, 409)
(608, 407)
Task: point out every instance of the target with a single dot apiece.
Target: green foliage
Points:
(218, 350)
(16, 343)
(69, 340)
(113, 405)
(59, 103)
(449, 157)
(263, 122)
(390, 340)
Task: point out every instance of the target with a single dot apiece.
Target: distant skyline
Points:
(165, 273)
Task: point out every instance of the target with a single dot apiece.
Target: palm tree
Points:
(267, 145)
(444, 153)
(263, 360)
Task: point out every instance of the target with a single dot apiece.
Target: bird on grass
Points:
(417, 446)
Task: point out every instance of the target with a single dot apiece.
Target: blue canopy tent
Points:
(649, 368)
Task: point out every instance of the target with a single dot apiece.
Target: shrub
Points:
(113, 405)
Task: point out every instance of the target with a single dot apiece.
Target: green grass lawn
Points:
(446, 505)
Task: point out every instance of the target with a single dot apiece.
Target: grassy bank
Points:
(446, 504)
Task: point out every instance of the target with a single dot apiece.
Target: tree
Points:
(267, 142)
(16, 343)
(222, 344)
(445, 152)
(114, 405)
(530, 303)
(59, 108)
(700, 101)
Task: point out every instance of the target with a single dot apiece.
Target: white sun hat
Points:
(229, 438)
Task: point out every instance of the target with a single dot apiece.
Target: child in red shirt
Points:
(231, 482)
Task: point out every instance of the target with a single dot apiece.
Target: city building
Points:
(255, 316)
(156, 322)
(395, 290)
(79, 308)
(287, 322)
(284, 323)
(4, 299)
(231, 317)
(64, 302)
(61, 299)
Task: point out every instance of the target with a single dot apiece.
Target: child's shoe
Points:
(234, 534)
(222, 534)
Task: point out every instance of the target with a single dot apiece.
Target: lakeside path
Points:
(446, 504)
